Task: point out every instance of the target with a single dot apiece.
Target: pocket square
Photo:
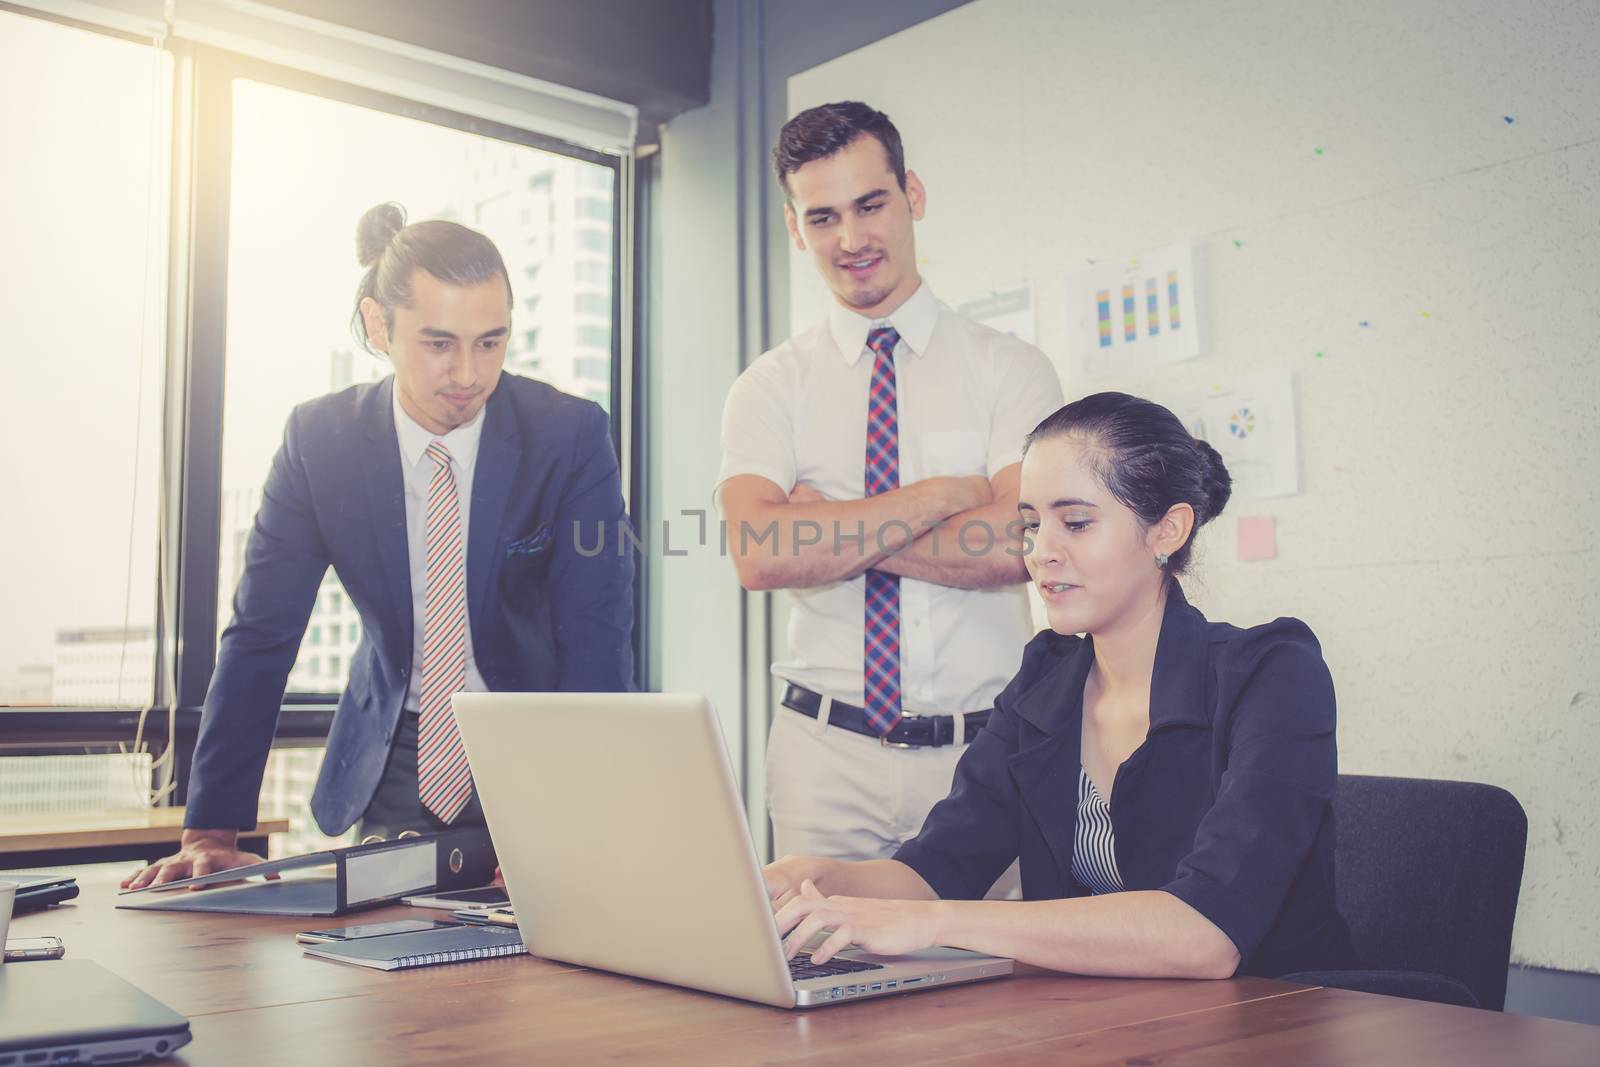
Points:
(533, 544)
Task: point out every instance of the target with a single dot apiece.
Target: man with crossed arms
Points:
(870, 466)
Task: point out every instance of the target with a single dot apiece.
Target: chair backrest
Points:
(1428, 874)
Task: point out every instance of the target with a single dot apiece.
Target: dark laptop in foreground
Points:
(75, 1011)
(624, 845)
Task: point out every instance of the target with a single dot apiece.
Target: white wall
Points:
(1444, 544)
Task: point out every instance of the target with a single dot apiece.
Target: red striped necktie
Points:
(444, 781)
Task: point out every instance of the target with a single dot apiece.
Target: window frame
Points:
(187, 621)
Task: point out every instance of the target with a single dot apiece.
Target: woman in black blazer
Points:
(1166, 781)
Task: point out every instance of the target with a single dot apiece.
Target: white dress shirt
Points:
(417, 469)
(966, 395)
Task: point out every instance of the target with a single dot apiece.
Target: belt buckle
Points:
(883, 739)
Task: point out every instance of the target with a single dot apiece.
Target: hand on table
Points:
(883, 927)
(200, 852)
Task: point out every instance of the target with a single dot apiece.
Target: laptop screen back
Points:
(623, 839)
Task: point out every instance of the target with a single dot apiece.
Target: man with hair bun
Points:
(445, 497)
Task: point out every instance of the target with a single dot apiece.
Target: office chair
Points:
(1427, 875)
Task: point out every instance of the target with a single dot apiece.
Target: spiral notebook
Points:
(393, 952)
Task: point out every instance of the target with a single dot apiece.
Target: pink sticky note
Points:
(1258, 537)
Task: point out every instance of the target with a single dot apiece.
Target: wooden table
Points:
(253, 999)
(63, 840)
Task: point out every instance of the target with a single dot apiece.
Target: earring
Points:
(1161, 560)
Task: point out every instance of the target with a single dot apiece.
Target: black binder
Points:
(363, 876)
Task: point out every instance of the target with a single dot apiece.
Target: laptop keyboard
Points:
(801, 969)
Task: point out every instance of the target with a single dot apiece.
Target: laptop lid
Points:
(625, 847)
(623, 839)
(79, 1009)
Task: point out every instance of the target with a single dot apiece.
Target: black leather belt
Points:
(912, 731)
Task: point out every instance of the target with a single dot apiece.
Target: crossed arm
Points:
(955, 531)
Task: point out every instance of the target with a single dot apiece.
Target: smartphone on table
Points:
(484, 897)
(19, 949)
(487, 916)
(352, 933)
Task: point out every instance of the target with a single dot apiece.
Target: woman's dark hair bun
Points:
(1215, 479)
(376, 229)
(1147, 458)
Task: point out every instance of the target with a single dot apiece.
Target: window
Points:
(594, 304)
(594, 371)
(305, 168)
(592, 207)
(282, 163)
(591, 240)
(84, 221)
(57, 785)
(594, 336)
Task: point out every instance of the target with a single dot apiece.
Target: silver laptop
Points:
(75, 1011)
(624, 846)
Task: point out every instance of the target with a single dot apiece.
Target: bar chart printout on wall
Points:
(1007, 310)
(1133, 314)
(1250, 421)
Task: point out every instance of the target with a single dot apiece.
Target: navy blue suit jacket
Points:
(1227, 804)
(543, 615)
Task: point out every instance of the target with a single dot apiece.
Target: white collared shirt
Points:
(417, 470)
(966, 397)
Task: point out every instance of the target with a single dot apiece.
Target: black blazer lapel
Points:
(1045, 768)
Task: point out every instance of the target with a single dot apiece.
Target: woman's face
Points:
(1089, 556)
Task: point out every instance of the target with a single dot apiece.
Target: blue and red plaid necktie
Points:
(881, 689)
